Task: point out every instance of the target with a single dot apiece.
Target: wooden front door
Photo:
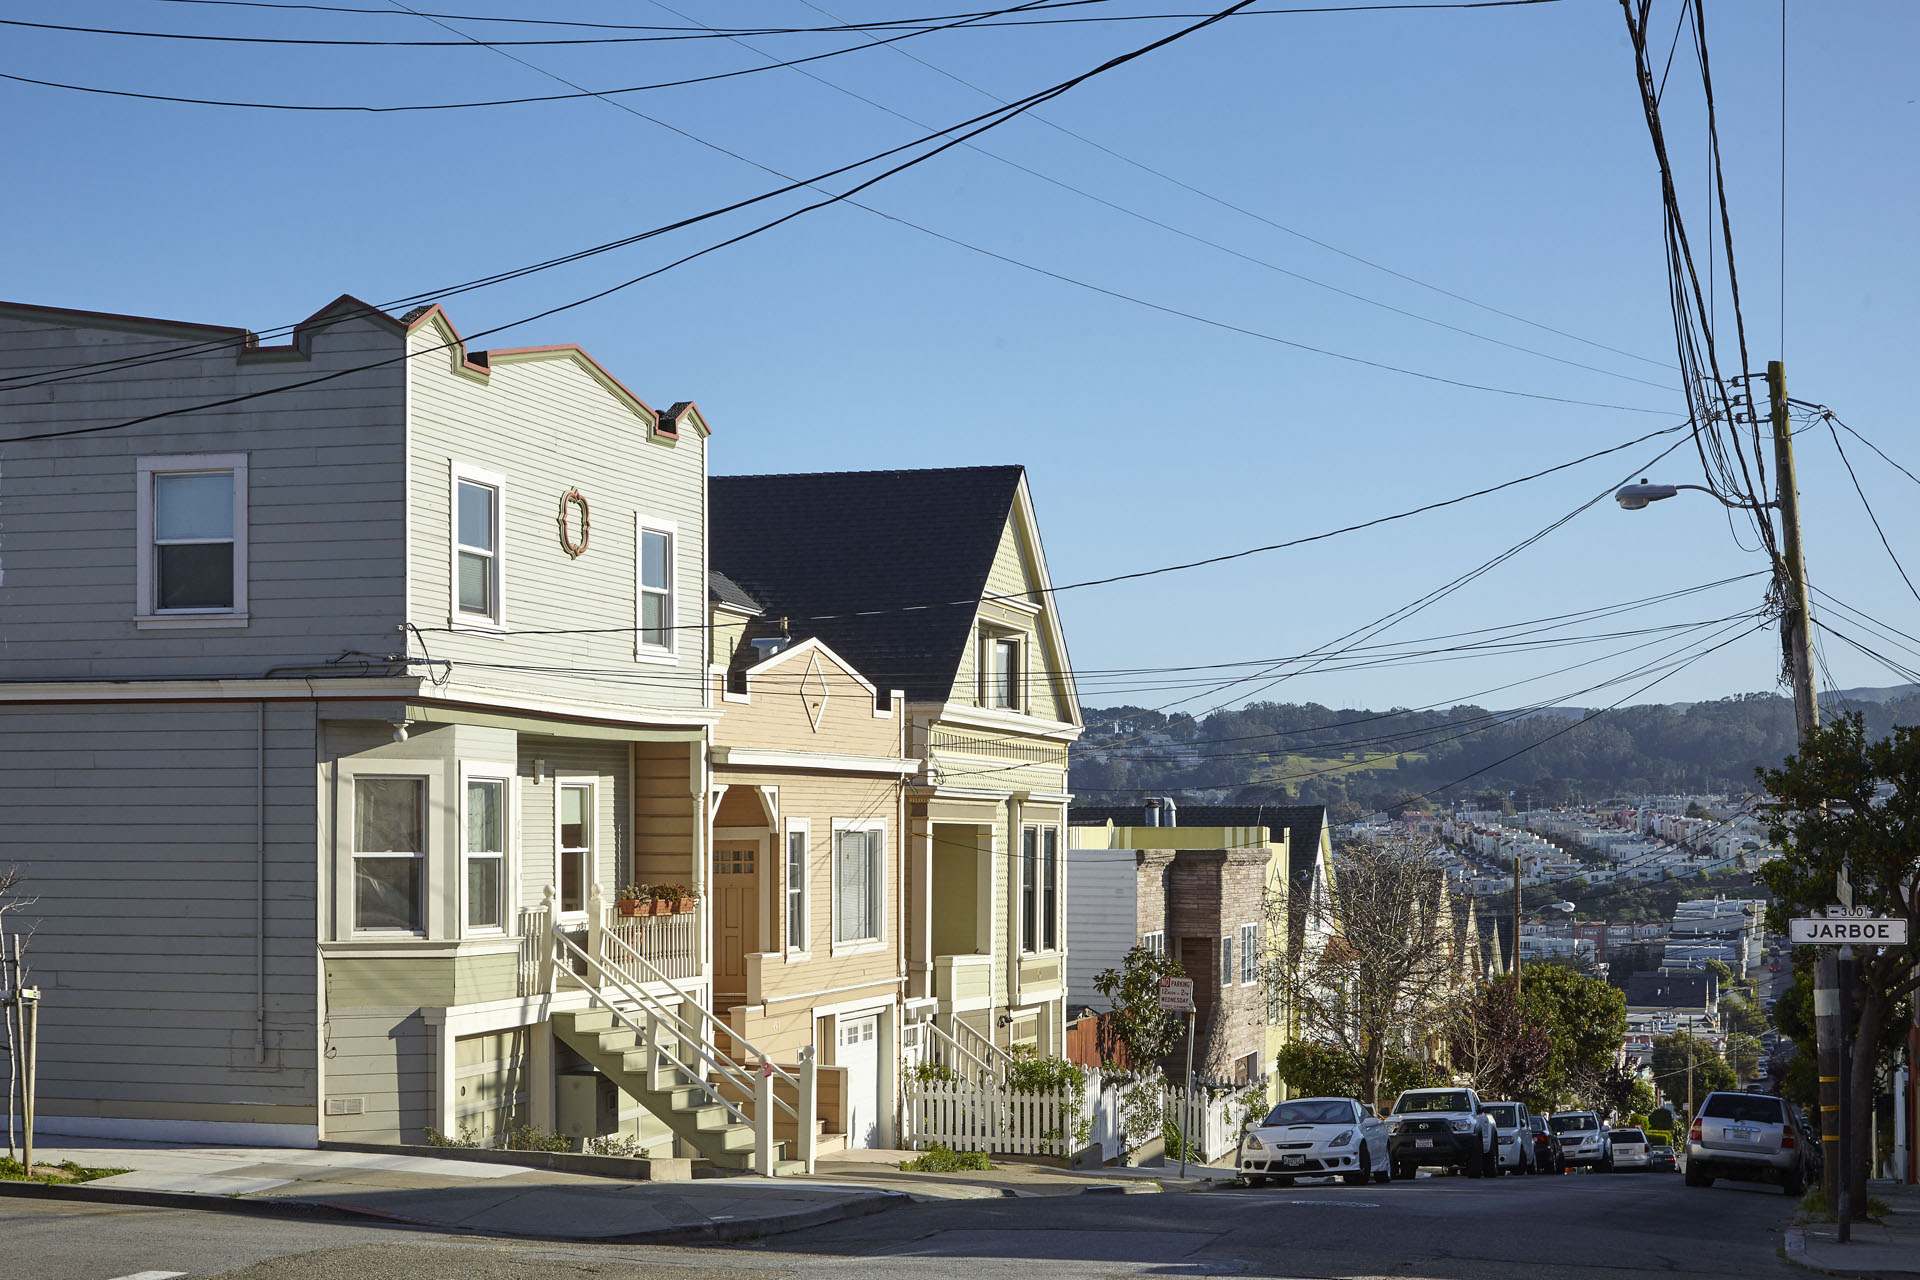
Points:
(736, 913)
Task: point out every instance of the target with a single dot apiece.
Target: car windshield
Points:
(1505, 1114)
(1748, 1107)
(1628, 1135)
(1311, 1111)
(1440, 1100)
(1569, 1124)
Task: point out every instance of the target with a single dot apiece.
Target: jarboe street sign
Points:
(1866, 931)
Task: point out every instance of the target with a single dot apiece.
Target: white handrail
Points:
(657, 1012)
(948, 1042)
(739, 1073)
(997, 1059)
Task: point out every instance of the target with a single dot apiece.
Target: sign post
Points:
(1176, 996)
(1844, 928)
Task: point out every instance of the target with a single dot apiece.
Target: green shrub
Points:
(531, 1138)
(940, 1158)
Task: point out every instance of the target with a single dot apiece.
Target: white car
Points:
(1516, 1139)
(1631, 1150)
(1309, 1137)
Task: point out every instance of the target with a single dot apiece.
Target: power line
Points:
(1871, 515)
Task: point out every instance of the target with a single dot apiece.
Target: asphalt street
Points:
(1582, 1225)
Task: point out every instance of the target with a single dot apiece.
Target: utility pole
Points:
(1795, 622)
(1516, 924)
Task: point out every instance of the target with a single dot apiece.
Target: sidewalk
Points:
(1889, 1248)
(452, 1194)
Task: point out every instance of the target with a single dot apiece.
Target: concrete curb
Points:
(862, 1205)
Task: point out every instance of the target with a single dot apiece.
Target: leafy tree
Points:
(1743, 1054)
(1136, 1033)
(1832, 812)
(1585, 1020)
(1494, 1043)
(1710, 1070)
(1317, 1071)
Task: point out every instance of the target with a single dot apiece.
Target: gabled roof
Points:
(724, 590)
(886, 567)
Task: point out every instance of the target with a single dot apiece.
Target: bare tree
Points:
(13, 976)
(1389, 967)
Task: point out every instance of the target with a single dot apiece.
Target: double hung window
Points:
(192, 513)
(857, 882)
(1029, 887)
(486, 853)
(796, 885)
(1226, 961)
(1050, 888)
(479, 563)
(1040, 889)
(1000, 680)
(654, 589)
(1155, 942)
(1249, 952)
(576, 844)
(389, 854)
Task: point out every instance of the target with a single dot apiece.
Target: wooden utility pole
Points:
(1516, 924)
(1795, 621)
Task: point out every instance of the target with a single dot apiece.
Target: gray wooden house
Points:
(342, 683)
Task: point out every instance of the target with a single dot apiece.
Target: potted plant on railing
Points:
(673, 899)
(636, 900)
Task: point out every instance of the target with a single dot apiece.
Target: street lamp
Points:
(1635, 496)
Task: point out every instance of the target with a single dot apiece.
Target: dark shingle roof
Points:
(724, 590)
(1679, 990)
(1299, 823)
(897, 560)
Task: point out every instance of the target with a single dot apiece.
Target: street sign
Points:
(1176, 995)
(1835, 931)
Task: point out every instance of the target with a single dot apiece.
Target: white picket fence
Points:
(972, 1116)
(1211, 1127)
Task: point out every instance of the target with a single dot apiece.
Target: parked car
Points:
(1631, 1150)
(1583, 1140)
(1516, 1139)
(1546, 1147)
(1751, 1137)
(1444, 1127)
(1661, 1159)
(1305, 1137)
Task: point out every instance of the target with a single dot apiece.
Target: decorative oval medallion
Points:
(576, 545)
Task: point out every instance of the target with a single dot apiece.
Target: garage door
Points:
(859, 1052)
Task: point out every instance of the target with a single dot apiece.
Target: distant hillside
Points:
(1277, 752)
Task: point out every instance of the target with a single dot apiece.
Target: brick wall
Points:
(1210, 893)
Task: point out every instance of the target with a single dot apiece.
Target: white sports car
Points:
(1310, 1137)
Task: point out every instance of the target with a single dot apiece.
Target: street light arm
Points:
(1635, 496)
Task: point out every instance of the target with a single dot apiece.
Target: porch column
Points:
(699, 781)
(920, 956)
(540, 1076)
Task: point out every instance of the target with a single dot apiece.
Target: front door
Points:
(858, 1050)
(736, 915)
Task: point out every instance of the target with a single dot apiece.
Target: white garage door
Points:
(859, 1052)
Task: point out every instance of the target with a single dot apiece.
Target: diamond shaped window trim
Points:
(814, 691)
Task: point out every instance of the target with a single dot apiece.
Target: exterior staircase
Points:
(691, 1108)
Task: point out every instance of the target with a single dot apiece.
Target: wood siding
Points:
(326, 499)
(548, 424)
(134, 825)
(1101, 915)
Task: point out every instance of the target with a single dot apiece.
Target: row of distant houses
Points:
(400, 737)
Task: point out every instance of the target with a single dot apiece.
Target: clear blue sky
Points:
(1500, 154)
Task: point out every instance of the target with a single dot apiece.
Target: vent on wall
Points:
(346, 1106)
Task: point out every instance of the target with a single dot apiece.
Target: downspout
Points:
(260, 888)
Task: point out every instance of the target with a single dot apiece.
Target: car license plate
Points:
(1742, 1135)
(1423, 1142)
(1292, 1159)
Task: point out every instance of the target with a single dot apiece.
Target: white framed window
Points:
(859, 883)
(191, 513)
(1000, 670)
(1155, 942)
(799, 834)
(1226, 960)
(653, 588)
(574, 843)
(486, 830)
(1050, 888)
(478, 538)
(389, 854)
(1249, 953)
(1029, 887)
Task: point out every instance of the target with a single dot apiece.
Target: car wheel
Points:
(1358, 1178)
(1606, 1164)
(1697, 1176)
(1475, 1167)
(1256, 1180)
(1383, 1175)
(1490, 1165)
(1404, 1172)
(1795, 1183)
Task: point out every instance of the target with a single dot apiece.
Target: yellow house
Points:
(807, 795)
(934, 583)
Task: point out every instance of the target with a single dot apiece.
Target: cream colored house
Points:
(807, 795)
(934, 582)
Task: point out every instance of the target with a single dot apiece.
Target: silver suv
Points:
(1752, 1137)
